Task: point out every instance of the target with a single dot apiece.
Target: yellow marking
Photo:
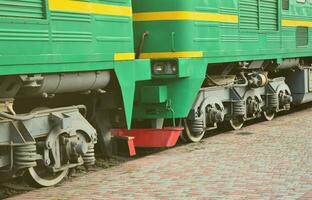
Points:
(124, 56)
(89, 7)
(185, 54)
(288, 22)
(185, 15)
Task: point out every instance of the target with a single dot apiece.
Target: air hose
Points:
(34, 114)
(18, 118)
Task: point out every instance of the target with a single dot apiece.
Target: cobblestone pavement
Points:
(267, 160)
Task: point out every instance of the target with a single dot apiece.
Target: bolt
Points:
(47, 162)
(45, 95)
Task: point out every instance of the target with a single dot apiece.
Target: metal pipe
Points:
(245, 81)
(141, 45)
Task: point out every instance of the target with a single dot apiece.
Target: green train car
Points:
(54, 55)
(71, 71)
(233, 60)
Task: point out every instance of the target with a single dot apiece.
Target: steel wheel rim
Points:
(34, 171)
(269, 116)
(47, 181)
(187, 135)
(236, 123)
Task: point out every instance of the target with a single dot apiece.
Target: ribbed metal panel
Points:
(268, 15)
(248, 14)
(258, 14)
(34, 9)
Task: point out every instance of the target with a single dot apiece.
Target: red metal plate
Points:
(166, 137)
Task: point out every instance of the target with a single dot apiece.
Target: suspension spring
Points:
(287, 106)
(273, 101)
(25, 156)
(89, 157)
(239, 108)
(196, 126)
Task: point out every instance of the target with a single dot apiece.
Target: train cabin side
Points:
(222, 61)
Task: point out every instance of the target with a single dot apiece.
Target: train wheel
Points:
(43, 177)
(40, 175)
(190, 135)
(235, 123)
(103, 125)
(268, 115)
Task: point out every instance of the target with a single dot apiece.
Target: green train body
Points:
(48, 36)
(223, 31)
(56, 54)
(203, 33)
(70, 36)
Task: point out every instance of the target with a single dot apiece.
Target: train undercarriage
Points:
(51, 123)
(46, 143)
(48, 122)
(228, 101)
(231, 106)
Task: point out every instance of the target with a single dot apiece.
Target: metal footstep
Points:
(125, 141)
(123, 146)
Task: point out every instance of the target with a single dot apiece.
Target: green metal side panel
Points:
(128, 73)
(154, 94)
(35, 38)
(180, 93)
(34, 9)
(258, 32)
(258, 15)
(300, 15)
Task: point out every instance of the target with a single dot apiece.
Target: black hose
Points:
(141, 45)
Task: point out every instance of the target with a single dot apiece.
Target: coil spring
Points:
(25, 156)
(239, 108)
(196, 126)
(89, 157)
(273, 101)
(287, 106)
